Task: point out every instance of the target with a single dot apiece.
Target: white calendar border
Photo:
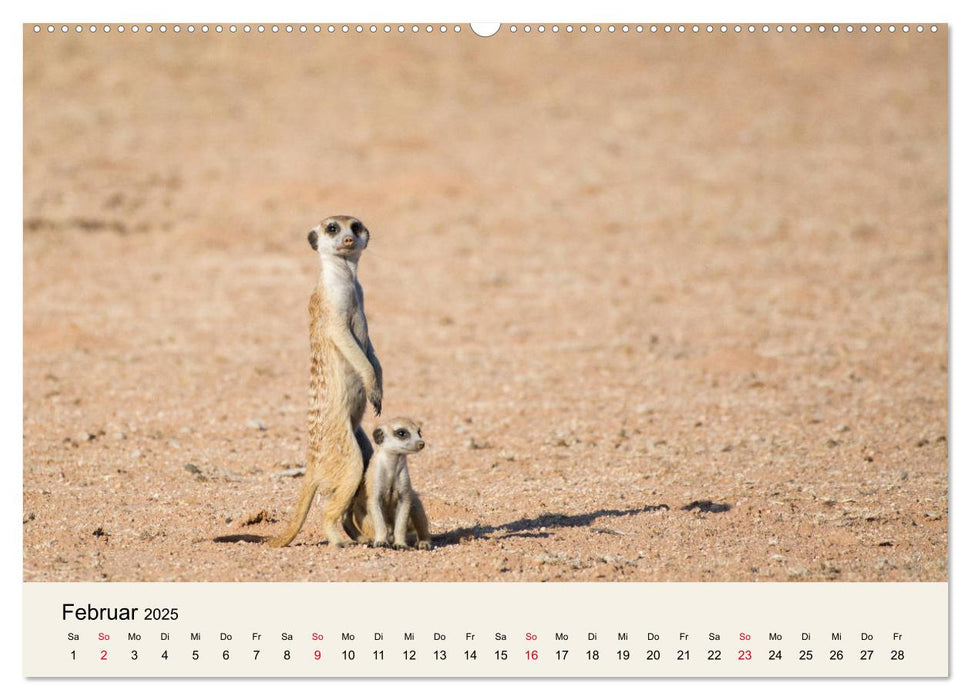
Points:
(507, 10)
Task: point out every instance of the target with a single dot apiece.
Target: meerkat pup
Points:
(344, 376)
(386, 495)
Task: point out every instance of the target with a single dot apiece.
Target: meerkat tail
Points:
(304, 501)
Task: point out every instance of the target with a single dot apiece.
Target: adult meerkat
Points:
(344, 376)
(386, 494)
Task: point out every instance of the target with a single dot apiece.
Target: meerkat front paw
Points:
(401, 545)
(381, 543)
(374, 396)
(425, 545)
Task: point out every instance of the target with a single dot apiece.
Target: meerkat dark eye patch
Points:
(312, 237)
(378, 436)
(356, 228)
(402, 434)
(332, 228)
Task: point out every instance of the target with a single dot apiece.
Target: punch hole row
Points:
(715, 28)
(252, 28)
(513, 28)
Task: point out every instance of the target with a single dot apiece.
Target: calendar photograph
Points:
(588, 303)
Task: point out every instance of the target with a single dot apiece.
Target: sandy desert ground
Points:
(671, 308)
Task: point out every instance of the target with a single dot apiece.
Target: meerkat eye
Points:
(401, 434)
(332, 228)
(356, 228)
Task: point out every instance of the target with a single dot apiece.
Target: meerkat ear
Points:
(378, 436)
(312, 237)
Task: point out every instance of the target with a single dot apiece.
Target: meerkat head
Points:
(399, 436)
(340, 236)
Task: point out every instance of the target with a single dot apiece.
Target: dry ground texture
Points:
(615, 276)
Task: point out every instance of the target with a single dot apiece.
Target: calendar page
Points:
(485, 350)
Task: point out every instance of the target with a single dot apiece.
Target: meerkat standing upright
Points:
(344, 376)
(386, 494)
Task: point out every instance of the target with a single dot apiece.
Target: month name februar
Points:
(90, 612)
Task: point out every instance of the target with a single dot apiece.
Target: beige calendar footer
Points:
(485, 629)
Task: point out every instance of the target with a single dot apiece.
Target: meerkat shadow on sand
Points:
(255, 539)
(533, 528)
(261, 539)
(539, 526)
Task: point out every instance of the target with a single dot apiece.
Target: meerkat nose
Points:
(348, 240)
(420, 444)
